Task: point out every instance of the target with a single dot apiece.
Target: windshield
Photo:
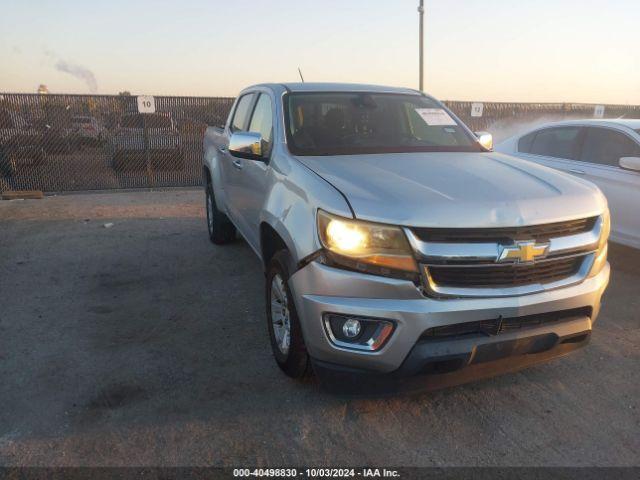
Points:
(360, 123)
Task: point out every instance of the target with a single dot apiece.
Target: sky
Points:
(483, 50)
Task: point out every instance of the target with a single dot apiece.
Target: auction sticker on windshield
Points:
(435, 116)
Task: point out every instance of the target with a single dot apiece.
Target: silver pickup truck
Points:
(397, 246)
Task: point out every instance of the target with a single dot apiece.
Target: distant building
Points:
(42, 89)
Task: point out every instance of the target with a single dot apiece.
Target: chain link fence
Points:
(504, 120)
(58, 143)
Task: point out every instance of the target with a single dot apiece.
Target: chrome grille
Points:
(469, 262)
(505, 275)
(477, 235)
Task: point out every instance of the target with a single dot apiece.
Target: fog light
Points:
(351, 328)
(361, 333)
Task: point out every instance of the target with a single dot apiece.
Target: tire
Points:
(291, 356)
(220, 228)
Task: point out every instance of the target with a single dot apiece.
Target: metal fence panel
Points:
(506, 119)
(58, 143)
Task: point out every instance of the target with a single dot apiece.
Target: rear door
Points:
(599, 162)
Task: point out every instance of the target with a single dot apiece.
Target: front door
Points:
(232, 166)
(253, 175)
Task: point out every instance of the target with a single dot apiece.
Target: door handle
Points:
(576, 170)
(237, 164)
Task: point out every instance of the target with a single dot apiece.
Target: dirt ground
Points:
(143, 344)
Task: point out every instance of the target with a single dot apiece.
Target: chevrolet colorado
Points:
(396, 244)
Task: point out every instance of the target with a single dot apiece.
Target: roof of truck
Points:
(339, 87)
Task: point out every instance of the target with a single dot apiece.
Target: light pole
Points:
(421, 46)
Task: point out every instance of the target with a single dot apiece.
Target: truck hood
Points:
(456, 189)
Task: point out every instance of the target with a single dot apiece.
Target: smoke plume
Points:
(80, 72)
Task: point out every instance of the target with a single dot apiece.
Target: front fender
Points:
(290, 209)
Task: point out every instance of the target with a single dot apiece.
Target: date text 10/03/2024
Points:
(317, 472)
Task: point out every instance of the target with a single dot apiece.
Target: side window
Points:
(241, 115)
(525, 143)
(262, 122)
(605, 147)
(561, 142)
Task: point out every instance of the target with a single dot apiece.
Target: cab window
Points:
(241, 114)
(262, 122)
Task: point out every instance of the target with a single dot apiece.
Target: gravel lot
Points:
(143, 344)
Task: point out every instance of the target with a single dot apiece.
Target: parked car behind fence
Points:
(87, 129)
(20, 144)
(145, 140)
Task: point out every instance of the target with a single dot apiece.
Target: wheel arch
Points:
(271, 242)
(206, 175)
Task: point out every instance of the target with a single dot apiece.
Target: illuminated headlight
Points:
(362, 245)
(601, 254)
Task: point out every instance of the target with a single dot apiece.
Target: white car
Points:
(605, 152)
(85, 127)
(146, 137)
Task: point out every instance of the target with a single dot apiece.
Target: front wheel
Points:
(287, 342)
(220, 228)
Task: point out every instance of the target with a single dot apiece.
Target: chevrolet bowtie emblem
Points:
(523, 252)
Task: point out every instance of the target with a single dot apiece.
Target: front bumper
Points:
(319, 289)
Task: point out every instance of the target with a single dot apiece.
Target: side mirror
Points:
(485, 139)
(246, 145)
(630, 163)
